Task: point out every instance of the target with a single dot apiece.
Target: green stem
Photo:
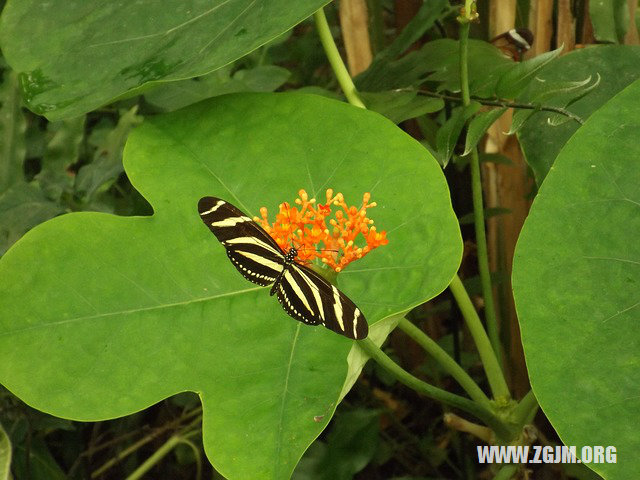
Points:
(469, 406)
(526, 409)
(143, 441)
(491, 366)
(445, 360)
(478, 208)
(499, 102)
(158, 455)
(340, 70)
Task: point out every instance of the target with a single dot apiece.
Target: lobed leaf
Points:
(131, 310)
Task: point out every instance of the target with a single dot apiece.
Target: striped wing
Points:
(309, 298)
(251, 250)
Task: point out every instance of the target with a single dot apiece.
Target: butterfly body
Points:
(303, 293)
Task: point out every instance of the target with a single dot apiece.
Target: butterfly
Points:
(514, 42)
(303, 293)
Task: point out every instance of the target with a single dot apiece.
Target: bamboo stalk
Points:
(506, 186)
(587, 27)
(354, 21)
(502, 16)
(566, 34)
(631, 37)
(541, 24)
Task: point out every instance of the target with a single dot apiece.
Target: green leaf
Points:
(478, 127)
(576, 277)
(5, 455)
(519, 118)
(438, 61)
(399, 106)
(175, 95)
(12, 132)
(617, 65)
(557, 94)
(106, 166)
(131, 310)
(610, 20)
(513, 82)
(424, 19)
(562, 94)
(76, 56)
(448, 134)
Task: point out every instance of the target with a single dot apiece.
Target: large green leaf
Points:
(74, 56)
(576, 275)
(617, 66)
(101, 316)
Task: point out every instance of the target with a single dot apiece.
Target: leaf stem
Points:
(338, 66)
(469, 406)
(478, 208)
(445, 360)
(526, 409)
(487, 354)
(500, 102)
(159, 454)
(143, 441)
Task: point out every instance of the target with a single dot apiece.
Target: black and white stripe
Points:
(304, 294)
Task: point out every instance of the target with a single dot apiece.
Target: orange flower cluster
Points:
(305, 227)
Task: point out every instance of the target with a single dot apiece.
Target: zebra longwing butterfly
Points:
(303, 293)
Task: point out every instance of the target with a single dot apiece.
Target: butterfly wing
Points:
(311, 299)
(251, 250)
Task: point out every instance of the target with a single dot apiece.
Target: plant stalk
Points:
(338, 66)
(159, 454)
(478, 208)
(469, 406)
(526, 409)
(500, 102)
(492, 368)
(445, 360)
